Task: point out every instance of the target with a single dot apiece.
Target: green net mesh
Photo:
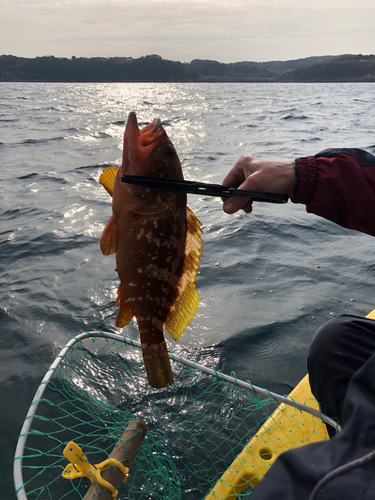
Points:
(196, 428)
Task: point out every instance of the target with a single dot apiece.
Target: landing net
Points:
(97, 384)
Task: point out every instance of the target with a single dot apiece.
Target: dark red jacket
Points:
(339, 185)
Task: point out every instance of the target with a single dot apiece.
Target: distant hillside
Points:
(153, 68)
(206, 70)
(96, 69)
(342, 69)
(279, 67)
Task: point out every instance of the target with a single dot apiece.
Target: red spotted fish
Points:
(158, 245)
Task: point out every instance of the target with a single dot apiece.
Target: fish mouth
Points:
(139, 143)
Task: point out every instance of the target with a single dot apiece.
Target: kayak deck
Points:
(288, 427)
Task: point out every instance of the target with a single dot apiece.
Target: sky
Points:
(183, 30)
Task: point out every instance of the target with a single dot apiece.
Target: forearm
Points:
(339, 186)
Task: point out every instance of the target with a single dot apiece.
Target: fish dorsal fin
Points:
(187, 300)
(109, 239)
(107, 179)
(125, 314)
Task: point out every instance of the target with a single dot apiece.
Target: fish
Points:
(158, 244)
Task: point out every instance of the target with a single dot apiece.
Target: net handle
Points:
(125, 452)
(18, 456)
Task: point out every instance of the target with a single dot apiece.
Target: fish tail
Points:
(156, 359)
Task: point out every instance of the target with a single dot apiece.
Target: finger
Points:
(236, 175)
(234, 178)
(235, 203)
(248, 208)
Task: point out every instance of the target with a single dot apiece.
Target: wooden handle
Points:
(125, 452)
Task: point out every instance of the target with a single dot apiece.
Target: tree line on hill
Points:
(153, 68)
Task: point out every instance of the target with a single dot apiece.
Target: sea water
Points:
(267, 280)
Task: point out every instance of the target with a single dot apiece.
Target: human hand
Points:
(257, 175)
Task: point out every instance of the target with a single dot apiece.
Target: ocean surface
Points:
(267, 281)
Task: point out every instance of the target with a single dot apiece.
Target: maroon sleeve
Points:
(339, 185)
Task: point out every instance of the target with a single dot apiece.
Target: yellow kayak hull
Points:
(286, 428)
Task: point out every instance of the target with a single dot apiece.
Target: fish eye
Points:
(170, 152)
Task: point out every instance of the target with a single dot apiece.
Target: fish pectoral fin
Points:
(109, 239)
(143, 207)
(125, 314)
(107, 179)
(186, 303)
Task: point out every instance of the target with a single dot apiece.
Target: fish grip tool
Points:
(203, 188)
